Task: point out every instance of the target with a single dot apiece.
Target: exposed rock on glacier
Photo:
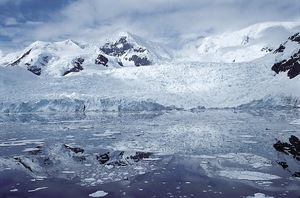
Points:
(288, 58)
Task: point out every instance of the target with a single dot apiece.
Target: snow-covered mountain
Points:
(247, 44)
(133, 50)
(105, 84)
(62, 58)
(53, 58)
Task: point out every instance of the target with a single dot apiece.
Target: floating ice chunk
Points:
(259, 195)
(99, 193)
(152, 159)
(249, 141)
(89, 179)
(207, 156)
(296, 122)
(14, 190)
(31, 149)
(86, 127)
(37, 189)
(246, 136)
(68, 172)
(247, 175)
(107, 133)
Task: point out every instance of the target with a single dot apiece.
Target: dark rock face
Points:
(292, 64)
(77, 66)
(291, 148)
(284, 165)
(101, 60)
(118, 48)
(34, 69)
(122, 47)
(295, 38)
(266, 49)
(281, 48)
(138, 61)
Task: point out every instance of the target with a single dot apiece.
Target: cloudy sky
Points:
(171, 22)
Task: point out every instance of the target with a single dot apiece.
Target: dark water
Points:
(214, 153)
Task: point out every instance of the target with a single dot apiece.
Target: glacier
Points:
(175, 86)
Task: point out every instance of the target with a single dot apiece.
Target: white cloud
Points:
(166, 21)
(10, 21)
(16, 2)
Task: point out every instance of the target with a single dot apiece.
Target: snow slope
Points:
(247, 44)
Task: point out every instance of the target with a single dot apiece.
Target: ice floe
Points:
(259, 195)
(37, 189)
(296, 122)
(247, 175)
(99, 193)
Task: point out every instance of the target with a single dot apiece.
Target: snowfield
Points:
(247, 44)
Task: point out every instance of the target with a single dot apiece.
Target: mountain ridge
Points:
(247, 44)
(68, 56)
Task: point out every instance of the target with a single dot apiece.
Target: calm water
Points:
(213, 153)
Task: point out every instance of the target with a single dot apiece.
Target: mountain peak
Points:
(135, 49)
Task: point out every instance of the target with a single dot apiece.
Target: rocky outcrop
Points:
(126, 48)
(291, 148)
(291, 63)
(121, 158)
(117, 48)
(35, 69)
(77, 66)
(140, 61)
(101, 60)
